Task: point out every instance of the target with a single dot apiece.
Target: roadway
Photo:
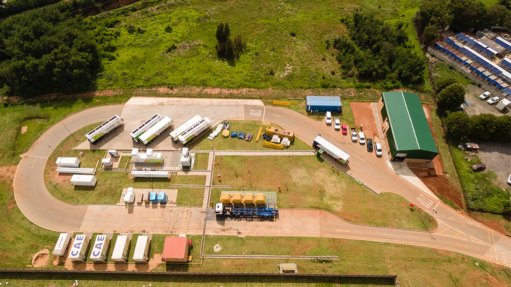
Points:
(456, 231)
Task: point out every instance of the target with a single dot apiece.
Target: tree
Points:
(467, 15)
(456, 126)
(409, 66)
(450, 98)
(442, 83)
(430, 34)
(483, 127)
(433, 13)
(503, 129)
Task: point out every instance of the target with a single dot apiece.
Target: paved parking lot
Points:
(497, 158)
(477, 106)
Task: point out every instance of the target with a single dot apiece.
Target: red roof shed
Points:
(175, 249)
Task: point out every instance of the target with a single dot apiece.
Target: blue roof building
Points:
(323, 104)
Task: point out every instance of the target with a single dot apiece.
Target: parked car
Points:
(509, 179)
(354, 135)
(344, 129)
(337, 124)
(379, 151)
(361, 138)
(479, 167)
(493, 100)
(484, 95)
(328, 118)
(370, 145)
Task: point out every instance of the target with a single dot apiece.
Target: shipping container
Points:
(150, 174)
(121, 248)
(100, 248)
(62, 243)
(83, 180)
(104, 128)
(76, 170)
(141, 253)
(68, 162)
(144, 127)
(79, 248)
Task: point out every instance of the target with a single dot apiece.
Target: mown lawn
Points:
(306, 182)
(173, 42)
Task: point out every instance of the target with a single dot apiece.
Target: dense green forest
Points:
(374, 51)
(50, 50)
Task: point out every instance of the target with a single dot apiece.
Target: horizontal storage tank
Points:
(76, 170)
(68, 162)
(122, 244)
(248, 198)
(100, 248)
(236, 198)
(150, 173)
(260, 199)
(83, 180)
(79, 248)
(141, 253)
(225, 197)
(61, 245)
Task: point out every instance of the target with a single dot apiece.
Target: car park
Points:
(361, 138)
(478, 167)
(493, 100)
(369, 145)
(344, 129)
(337, 124)
(484, 95)
(378, 149)
(328, 118)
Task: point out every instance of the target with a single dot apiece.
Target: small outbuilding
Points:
(317, 104)
(175, 249)
(406, 127)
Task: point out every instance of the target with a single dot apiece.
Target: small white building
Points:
(122, 244)
(100, 248)
(68, 162)
(141, 253)
(129, 196)
(83, 180)
(79, 248)
(61, 245)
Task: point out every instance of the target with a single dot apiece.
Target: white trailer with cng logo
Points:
(61, 246)
(104, 128)
(185, 126)
(155, 130)
(144, 127)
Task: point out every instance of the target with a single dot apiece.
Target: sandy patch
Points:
(363, 115)
(7, 172)
(41, 258)
(24, 129)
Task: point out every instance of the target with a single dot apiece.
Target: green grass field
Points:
(307, 183)
(274, 57)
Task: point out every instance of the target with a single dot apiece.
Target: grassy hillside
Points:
(285, 42)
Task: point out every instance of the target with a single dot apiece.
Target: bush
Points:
(450, 98)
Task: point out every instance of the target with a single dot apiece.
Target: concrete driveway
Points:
(456, 232)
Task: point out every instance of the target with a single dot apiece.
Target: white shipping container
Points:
(100, 248)
(129, 196)
(122, 244)
(83, 180)
(76, 170)
(62, 243)
(68, 162)
(150, 173)
(140, 255)
(79, 248)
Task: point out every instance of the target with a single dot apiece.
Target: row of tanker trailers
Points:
(247, 206)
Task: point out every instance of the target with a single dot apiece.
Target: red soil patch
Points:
(7, 172)
(363, 115)
(441, 186)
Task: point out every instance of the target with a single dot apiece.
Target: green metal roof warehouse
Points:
(408, 133)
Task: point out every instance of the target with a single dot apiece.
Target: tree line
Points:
(49, 50)
(459, 15)
(375, 51)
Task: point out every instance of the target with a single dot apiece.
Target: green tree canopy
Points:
(450, 98)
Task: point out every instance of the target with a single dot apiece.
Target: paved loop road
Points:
(456, 232)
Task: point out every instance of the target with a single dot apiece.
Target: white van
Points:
(129, 197)
(328, 118)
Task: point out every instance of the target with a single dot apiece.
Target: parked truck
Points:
(250, 211)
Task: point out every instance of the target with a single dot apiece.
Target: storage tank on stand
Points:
(260, 199)
(248, 198)
(236, 198)
(225, 198)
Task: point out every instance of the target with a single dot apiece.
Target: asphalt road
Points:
(456, 232)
